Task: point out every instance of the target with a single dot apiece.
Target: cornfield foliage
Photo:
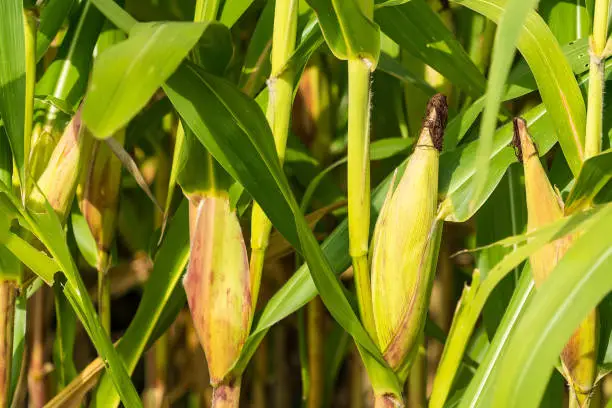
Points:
(319, 203)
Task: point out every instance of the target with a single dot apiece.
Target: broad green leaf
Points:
(84, 239)
(212, 106)
(47, 228)
(568, 21)
(394, 68)
(19, 340)
(458, 167)
(466, 318)
(63, 346)
(510, 23)
(347, 31)
(116, 14)
(593, 176)
(66, 78)
(35, 260)
(522, 27)
(578, 283)
(416, 28)
(6, 159)
(233, 10)
(479, 391)
(126, 75)
(170, 262)
(52, 16)
(257, 65)
(13, 80)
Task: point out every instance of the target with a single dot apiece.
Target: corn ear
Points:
(99, 194)
(218, 286)
(579, 356)
(59, 179)
(401, 274)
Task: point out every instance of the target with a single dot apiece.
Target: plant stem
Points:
(280, 99)
(8, 291)
(227, 395)
(315, 352)
(358, 178)
(359, 185)
(417, 381)
(596, 79)
(385, 401)
(36, 381)
(104, 291)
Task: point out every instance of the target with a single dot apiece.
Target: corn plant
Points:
(320, 203)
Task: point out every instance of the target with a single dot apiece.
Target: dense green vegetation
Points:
(279, 203)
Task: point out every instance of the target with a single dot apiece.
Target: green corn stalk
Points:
(544, 205)
(402, 273)
(358, 176)
(598, 53)
(280, 86)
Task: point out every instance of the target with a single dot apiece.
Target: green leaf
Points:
(466, 318)
(521, 26)
(567, 20)
(347, 31)
(52, 16)
(233, 10)
(481, 387)
(47, 228)
(578, 283)
(84, 239)
(66, 78)
(13, 80)
(19, 340)
(593, 176)
(170, 262)
(416, 28)
(126, 75)
(6, 159)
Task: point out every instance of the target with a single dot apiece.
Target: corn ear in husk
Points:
(544, 206)
(218, 289)
(59, 179)
(401, 272)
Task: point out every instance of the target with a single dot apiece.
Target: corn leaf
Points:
(47, 228)
(13, 81)
(416, 28)
(578, 283)
(520, 25)
(52, 16)
(479, 391)
(126, 75)
(347, 31)
(594, 175)
(466, 318)
(170, 263)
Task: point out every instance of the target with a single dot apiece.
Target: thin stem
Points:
(596, 79)
(359, 184)
(280, 87)
(8, 291)
(104, 291)
(417, 381)
(315, 352)
(36, 381)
